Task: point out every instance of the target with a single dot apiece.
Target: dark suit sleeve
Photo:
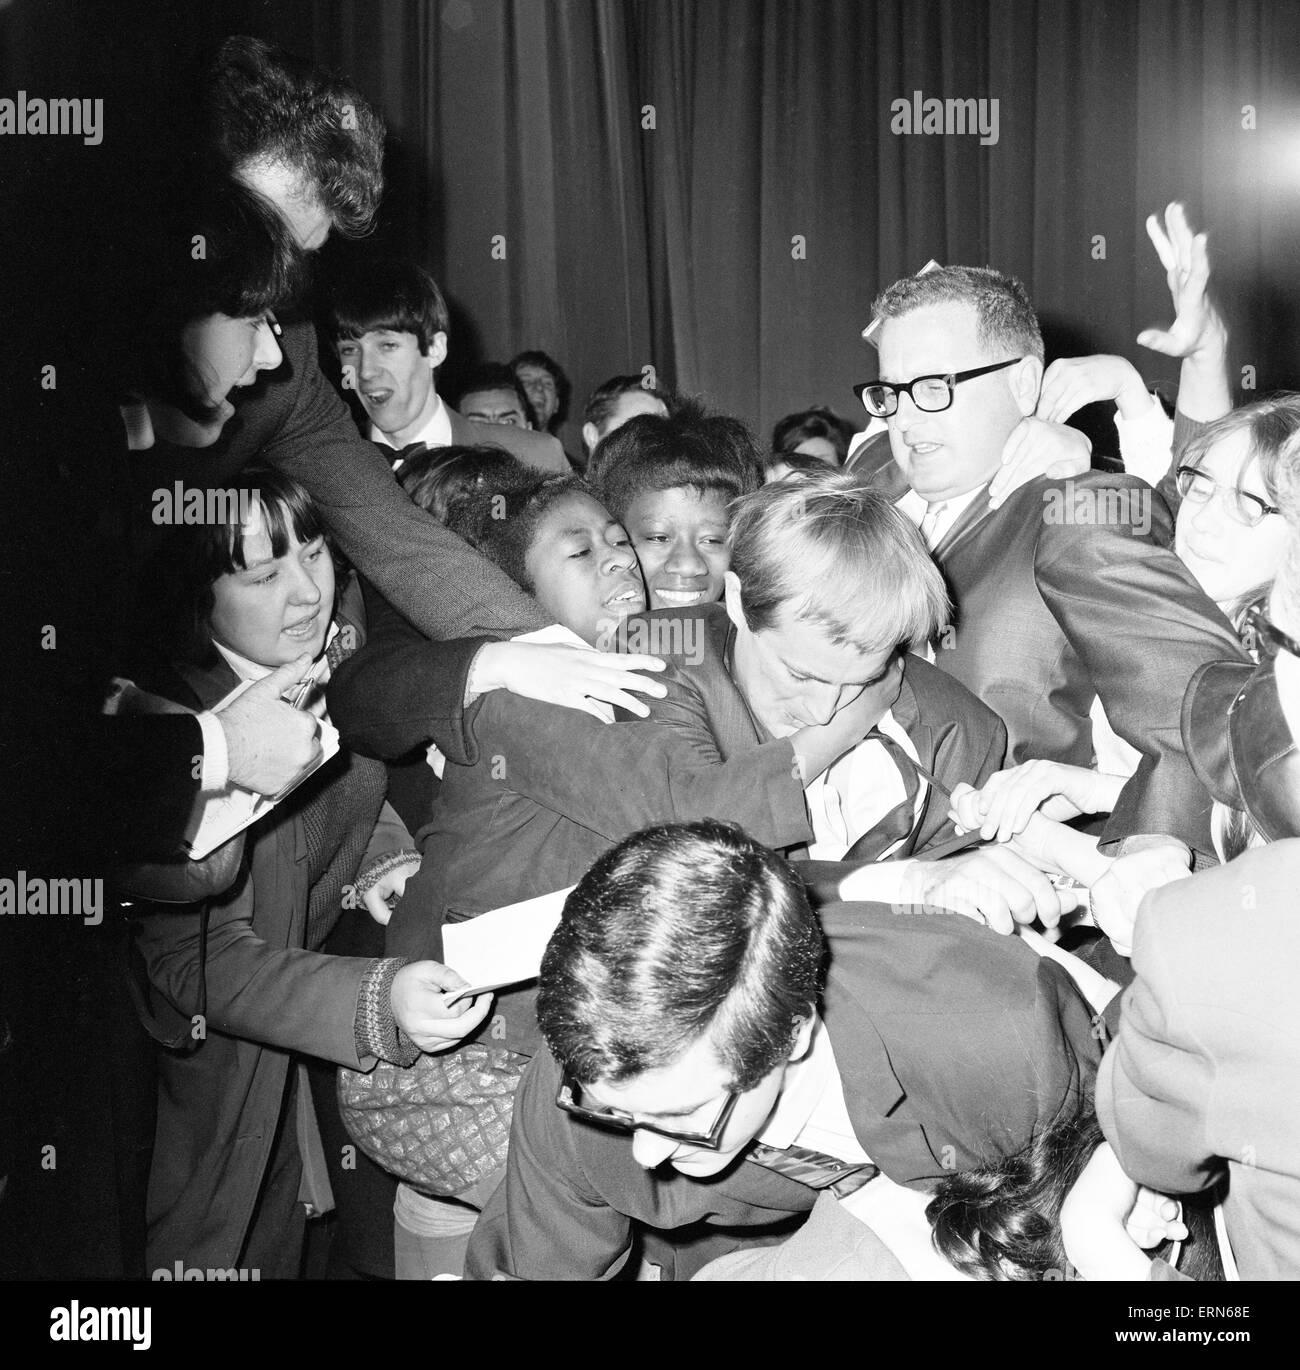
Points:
(618, 778)
(1142, 626)
(289, 998)
(402, 691)
(545, 1220)
(1157, 1081)
(141, 780)
(971, 745)
(443, 586)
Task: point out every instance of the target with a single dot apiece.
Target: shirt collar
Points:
(252, 670)
(435, 433)
(802, 1088)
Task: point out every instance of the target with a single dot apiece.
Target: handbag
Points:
(442, 1124)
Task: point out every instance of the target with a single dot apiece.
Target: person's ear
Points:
(803, 1036)
(590, 437)
(437, 353)
(1026, 380)
(733, 601)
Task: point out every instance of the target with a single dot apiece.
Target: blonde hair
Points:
(838, 556)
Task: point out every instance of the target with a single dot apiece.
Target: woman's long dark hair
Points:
(1002, 1221)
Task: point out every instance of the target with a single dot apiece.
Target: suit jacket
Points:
(954, 1046)
(955, 736)
(533, 449)
(221, 1094)
(1052, 612)
(294, 419)
(1203, 1078)
(533, 793)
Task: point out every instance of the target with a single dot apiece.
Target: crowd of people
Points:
(925, 787)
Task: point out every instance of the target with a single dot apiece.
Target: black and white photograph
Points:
(649, 641)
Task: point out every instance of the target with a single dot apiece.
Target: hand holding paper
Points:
(426, 1013)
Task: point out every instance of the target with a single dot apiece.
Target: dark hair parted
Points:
(817, 422)
(502, 523)
(384, 294)
(191, 558)
(687, 448)
(680, 932)
(436, 479)
(1002, 1221)
(1006, 319)
(261, 104)
(600, 403)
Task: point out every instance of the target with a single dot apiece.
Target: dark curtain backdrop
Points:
(671, 246)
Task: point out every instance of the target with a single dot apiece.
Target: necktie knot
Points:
(930, 523)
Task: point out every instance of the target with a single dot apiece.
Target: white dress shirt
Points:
(949, 511)
(435, 433)
(856, 791)
(811, 1112)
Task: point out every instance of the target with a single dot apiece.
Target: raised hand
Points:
(1185, 258)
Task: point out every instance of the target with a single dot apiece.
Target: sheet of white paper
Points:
(220, 816)
(504, 946)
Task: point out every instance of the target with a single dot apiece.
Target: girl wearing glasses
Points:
(1231, 536)
(1229, 532)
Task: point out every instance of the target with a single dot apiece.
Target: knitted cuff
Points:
(375, 1028)
(381, 865)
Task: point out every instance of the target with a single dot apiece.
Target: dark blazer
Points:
(954, 1046)
(221, 1094)
(294, 419)
(536, 792)
(955, 736)
(533, 793)
(533, 449)
(1203, 1078)
(1052, 613)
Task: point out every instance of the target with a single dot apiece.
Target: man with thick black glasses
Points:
(697, 1070)
(1066, 594)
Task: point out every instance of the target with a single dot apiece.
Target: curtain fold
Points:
(717, 189)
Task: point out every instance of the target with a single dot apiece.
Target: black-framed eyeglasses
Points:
(933, 394)
(1269, 638)
(569, 1098)
(1198, 487)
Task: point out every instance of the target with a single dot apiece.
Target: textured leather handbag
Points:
(441, 1125)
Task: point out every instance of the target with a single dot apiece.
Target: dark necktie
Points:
(814, 1168)
(898, 823)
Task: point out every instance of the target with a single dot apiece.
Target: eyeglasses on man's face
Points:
(1198, 487)
(931, 394)
(1269, 638)
(569, 1098)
